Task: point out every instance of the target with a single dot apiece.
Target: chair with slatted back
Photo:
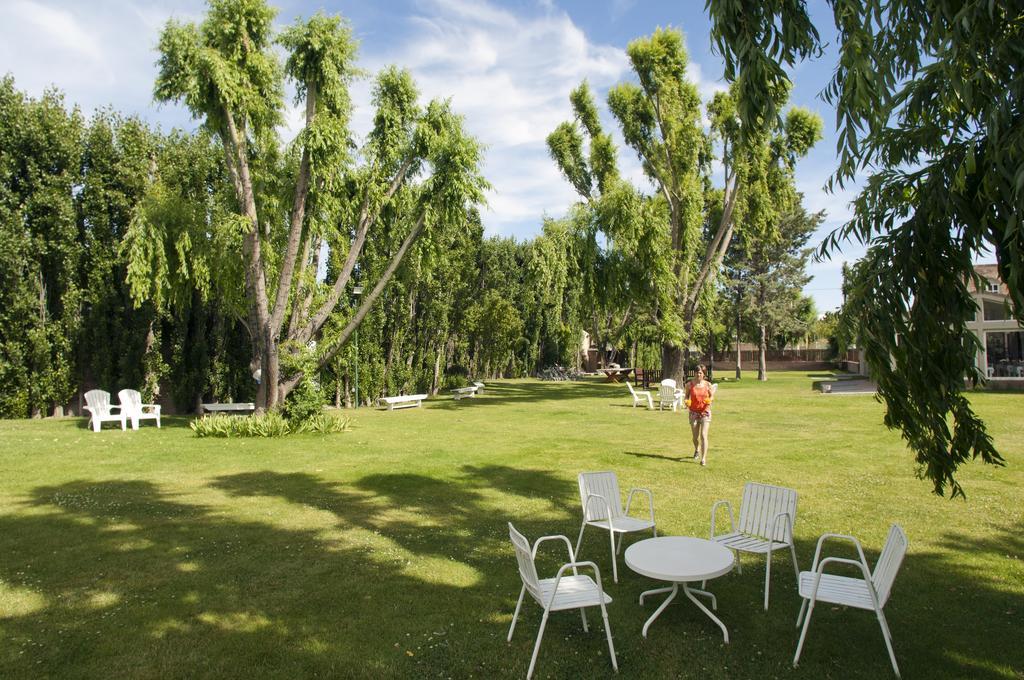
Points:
(559, 593)
(602, 508)
(870, 593)
(767, 515)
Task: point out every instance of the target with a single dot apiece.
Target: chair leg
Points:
(888, 641)
(618, 550)
(803, 633)
(615, 567)
(515, 616)
(536, 647)
(767, 576)
(796, 568)
(608, 634)
(579, 541)
(583, 615)
(800, 616)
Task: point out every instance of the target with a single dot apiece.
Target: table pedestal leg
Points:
(657, 612)
(656, 591)
(689, 594)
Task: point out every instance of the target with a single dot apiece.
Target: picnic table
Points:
(241, 407)
(614, 375)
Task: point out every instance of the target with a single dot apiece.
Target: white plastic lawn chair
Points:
(602, 508)
(100, 410)
(135, 410)
(767, 515)
(559, 593)
(639, 395)
(668, 393)
(870, 592)
(479, 386)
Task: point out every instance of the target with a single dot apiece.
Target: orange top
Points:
(700, 398)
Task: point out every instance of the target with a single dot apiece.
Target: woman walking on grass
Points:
(698, 400)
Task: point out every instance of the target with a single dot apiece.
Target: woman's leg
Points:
(695, 431)
(703, 425)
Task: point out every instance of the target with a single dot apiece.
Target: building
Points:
(1002, 338)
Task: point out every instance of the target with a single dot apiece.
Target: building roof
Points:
(990, 272)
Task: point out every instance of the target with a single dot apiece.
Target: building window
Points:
(1005, 354)
(991, 287)
(995, 310)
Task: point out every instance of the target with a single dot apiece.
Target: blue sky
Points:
(507, 66)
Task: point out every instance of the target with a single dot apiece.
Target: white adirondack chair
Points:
(559, 593)
(767, 515)
(668, 393)
(602, 508)
(639, 395)
(870, 592)
(100, 410)
(135, 410)
(479, 386)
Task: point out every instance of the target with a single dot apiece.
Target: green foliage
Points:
(927, 99)
(269, 424)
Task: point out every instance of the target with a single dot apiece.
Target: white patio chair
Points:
(668, 393)
(135, 410)
(602, 508)
(870, 592)
(639, 395)
(767, 515)
(558, 593)
(479, 386)
(100, 410)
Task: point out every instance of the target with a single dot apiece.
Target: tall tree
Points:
(928, 98)
(227, 73)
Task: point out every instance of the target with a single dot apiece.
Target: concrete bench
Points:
(404, 401)
(465, 392)
(243, 408)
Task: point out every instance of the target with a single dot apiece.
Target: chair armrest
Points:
(843, 537)
(820, 570)
(650, 499)
(542, 539)
(574, 566)
(714, 508)
(787, 524)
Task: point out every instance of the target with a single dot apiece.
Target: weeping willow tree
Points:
(928, 99)
(417, 172)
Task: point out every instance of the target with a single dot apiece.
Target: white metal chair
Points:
(639, 395)
(870, 592)
(668, 393)
(559, 593)
(134, 410)
(602, 508)
(767, 515)
(100, 410)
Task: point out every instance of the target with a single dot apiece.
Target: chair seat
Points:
(748, 543)
(844, 590)
(573, 592)
(623, 525)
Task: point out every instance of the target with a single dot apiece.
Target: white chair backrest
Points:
(604, 484)
(667, 389)
(714, 388)
(524, 557)
(761, 503)
(630, 386)
(889, 563)
(98, 401)
(131, 400)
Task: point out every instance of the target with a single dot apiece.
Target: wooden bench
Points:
(465, 392)
(404, 401)
(243, 408)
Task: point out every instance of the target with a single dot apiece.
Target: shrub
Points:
(271, 424)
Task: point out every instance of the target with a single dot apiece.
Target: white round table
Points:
(680, 560)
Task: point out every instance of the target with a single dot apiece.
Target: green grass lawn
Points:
(384, 552)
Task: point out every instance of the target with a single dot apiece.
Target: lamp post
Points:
(356, 292)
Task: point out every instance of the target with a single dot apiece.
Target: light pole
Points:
(356, 292)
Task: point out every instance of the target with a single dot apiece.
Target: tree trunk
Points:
(762, 352)
(739, 353)
(673, 363)
(435, 384)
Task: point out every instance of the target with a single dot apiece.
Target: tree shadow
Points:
(499, 394)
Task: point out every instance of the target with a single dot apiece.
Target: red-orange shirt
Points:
(699, 396)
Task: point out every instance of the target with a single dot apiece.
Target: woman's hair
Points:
(702, 368)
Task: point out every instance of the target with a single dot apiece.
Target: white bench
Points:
(479, 387)
(241, 407)
(465, 392)
(404, 401)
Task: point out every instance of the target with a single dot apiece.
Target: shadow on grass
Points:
(406, 575)
(499, 394)
(656, 456)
